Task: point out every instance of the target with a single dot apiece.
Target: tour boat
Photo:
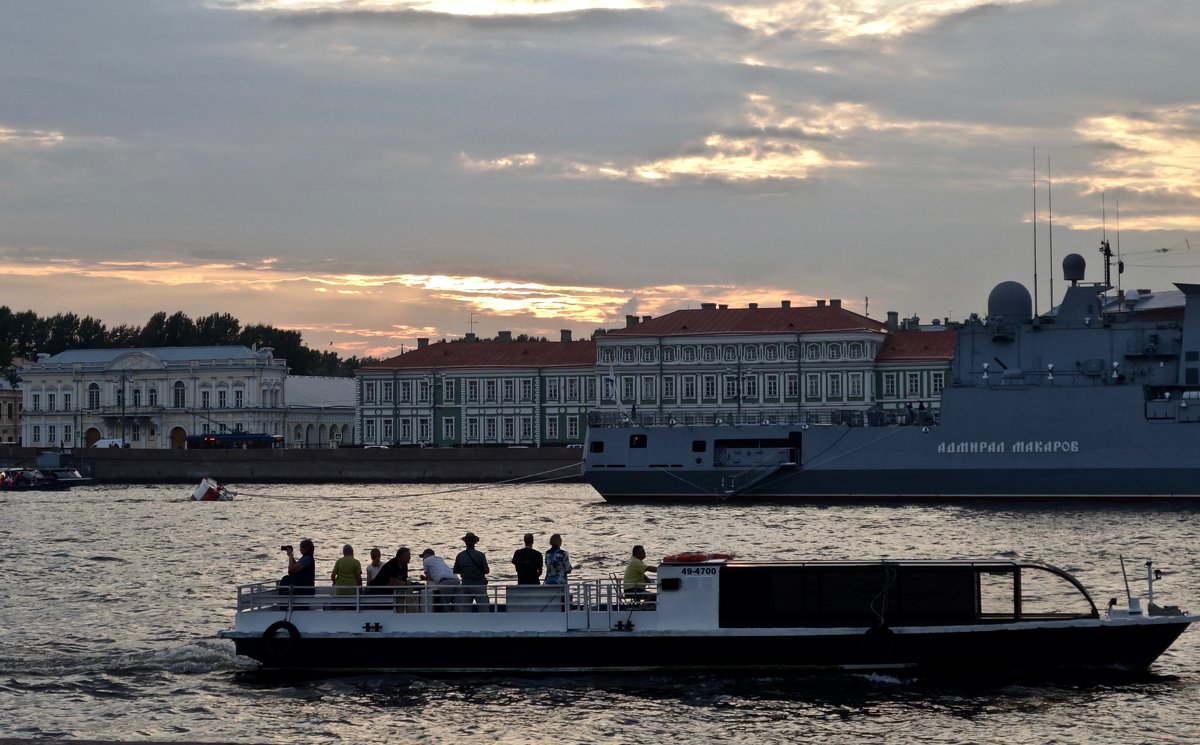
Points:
(711, 612)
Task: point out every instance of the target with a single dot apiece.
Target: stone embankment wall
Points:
(413, 465)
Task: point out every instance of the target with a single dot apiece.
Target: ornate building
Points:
(470, 393)
(150, 398)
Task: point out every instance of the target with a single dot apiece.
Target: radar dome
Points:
(1010, 301)
(1073, 267)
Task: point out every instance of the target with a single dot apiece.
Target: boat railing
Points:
(596, 595)
(755, 417)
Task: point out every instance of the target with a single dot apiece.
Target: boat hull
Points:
(1016, 649)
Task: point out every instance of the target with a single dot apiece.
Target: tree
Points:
(7, 371)
(218, 329)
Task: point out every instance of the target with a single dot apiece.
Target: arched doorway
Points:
(178, 438)
(90, 437)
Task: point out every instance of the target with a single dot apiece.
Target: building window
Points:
(526, 389)
(510, 389)
(473, 429)
(835, 351)
(772, 385)
(137, 397)
(938, 382)
(490, 425)
(792, 352)
(67, 400)
(668, 389)
(406, 391)
(386, 391)
(50, 404)
(835, 385)
(591, 390)
(67, 434)
(731, 387)
(448, 428)
(424, 429)
(510, 429)
(648, 355)
(388, 430)
(447, 389)
(889, 385)
(771, 352)
(423, 389)
(649, 388)
(813, 352)
(205, 399)
(239, 398)
(609, 355)
(473, 391)
(51, 433)
(913, 383)
(369, 392)
(750, 387)
(730, 353)
(35, 402)
(551, 389)
(572, 428)
(151, 396)
(750, 354)
(627, 388)
(813, 385)
(791, 385)
(855, 381)
(689, 354)
(368, 434)
(856, 351)
(552, 428)
(526, 428)
(689, 387)
(178, 393)
(135, 432)
(572, 389)
(489, 391)
(37, 435)
(406, 430)
(668, 354)
(627, 355)
(710, 354)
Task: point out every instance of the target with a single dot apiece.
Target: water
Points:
(113, 596)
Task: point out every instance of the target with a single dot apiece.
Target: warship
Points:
(1099, 398)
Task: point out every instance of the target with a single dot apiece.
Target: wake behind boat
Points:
(957, 618)
(1099, 398)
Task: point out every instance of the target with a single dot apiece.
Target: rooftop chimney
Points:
(646, 318)
(723, 306)
(753, 306)
(631, 321)
(504, 336)
(820, 303)
(893, 321)
(708, 306)
(422, 342)
(470, 336)
(835, 302)
(785, 304)
(564, 335)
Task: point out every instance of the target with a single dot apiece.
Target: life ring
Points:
(277, 645)
(689, 557)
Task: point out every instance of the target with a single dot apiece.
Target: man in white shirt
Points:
(445, 583)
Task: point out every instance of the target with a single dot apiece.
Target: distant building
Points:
(741, 364)
(471, 393)
(10, 413)
(913, 368)
(150, 398)
(319, 411)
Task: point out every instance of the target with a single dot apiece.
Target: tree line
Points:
(26, 334)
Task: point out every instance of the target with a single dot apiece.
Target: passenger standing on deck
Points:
(347, 572)
(528, 562)
(558, 562)
(471, 564)
(374, 566)
(302, 572)
(439, 575)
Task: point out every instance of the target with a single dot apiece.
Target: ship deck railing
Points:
(597, 595)
(753, 417)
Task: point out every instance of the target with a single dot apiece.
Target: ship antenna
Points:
(1035, 282)
(1128, 594)
(1120, 264)
(1105, 249)
(1050, 208)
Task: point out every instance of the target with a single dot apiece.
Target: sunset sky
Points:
(371, 171)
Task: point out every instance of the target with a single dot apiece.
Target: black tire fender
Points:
(281, 645)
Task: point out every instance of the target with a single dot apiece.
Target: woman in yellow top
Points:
(347, 572)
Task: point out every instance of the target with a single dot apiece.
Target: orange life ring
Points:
(693, 556)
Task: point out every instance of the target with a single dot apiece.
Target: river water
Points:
(113, 596)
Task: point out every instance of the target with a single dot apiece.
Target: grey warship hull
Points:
(1081, 404)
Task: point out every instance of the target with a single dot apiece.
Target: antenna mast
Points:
(1105, 249)
(1050, 208)
(1120, 264)
(1035, 282)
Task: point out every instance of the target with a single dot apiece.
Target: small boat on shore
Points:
(210, 490)
(956, 617)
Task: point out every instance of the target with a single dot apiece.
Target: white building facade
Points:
(151, 398)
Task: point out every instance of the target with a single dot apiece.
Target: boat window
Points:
(699, 446)
(1046, 594)
(637, 441)
(596, 446)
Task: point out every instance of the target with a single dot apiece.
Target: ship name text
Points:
(1000, 446)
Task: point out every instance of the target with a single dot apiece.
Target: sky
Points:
(374, 171)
